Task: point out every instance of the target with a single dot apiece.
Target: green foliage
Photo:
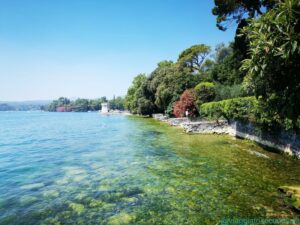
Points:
(247, 109)
(226, 69)
(61, 102)
(205, 92)
(273, 69)
(80, 105)
(131, 99)
(229, 91)
(160, 89)
(221, 52)
(117, 103)
(173, 84)
(95, 104)
(228, 10)
(194, 56)
(156, 88)
(244, 109)
(145, 106)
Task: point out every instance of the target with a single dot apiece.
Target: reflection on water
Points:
(84, 168)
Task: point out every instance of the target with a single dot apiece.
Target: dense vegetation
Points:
(262, 62)
(83, 105)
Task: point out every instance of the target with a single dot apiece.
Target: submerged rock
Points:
(293, 192)
(132, 192)
(78, 208)
(122, 218)
(28, 200)
(32, 186)
(94, 203)
(51, 221)
(50, 194)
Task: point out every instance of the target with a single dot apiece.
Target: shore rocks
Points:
(160, 117)
(293, 193)
(177, 121)
(288, 143)
(211, 127)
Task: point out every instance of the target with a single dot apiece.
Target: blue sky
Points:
(94, 48)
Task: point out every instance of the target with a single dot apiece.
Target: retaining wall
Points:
(288, 142)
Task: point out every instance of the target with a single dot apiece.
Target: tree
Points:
(131, 97)
(166, 83)
(228, 11)
(222, 52)
(273, 69)
(194, 57)
(229, 91)
(187, 102)
(145, 106)
(117, 103)
(80, 105)
(226, 69)
(205, 92)
(172, 82)
(61, 102)
(95, 104)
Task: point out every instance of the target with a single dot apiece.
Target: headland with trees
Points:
(64, 104)
(255, 78)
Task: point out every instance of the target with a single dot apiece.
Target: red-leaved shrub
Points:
(187, 102)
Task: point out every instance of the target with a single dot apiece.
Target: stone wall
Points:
(287, 142)
(210, 127)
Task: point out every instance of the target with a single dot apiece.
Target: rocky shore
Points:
(287, 142)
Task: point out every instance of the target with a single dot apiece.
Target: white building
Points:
(104, 107)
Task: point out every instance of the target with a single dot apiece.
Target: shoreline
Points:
(287, 143)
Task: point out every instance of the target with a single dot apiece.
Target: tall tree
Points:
(239, 11)
(131, 99)
(194, 57)
(228, 11)
(273, 69)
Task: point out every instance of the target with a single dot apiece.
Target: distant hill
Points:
(23, 105)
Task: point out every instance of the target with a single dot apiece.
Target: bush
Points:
(145, 106)
(243, 109)
(187, 102)
(205, 92)
(229, 91)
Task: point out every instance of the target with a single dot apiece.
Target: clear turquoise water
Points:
(85, 168)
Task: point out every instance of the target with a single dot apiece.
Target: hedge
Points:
(243, 108)
(247, 109)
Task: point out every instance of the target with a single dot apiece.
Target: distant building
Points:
(104, 107)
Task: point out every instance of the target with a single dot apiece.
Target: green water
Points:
(90, 169)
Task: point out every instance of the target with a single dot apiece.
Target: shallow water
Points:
(85, 168)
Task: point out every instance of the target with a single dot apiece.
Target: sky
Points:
(94, 48)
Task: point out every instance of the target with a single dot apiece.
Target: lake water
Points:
(86, 168)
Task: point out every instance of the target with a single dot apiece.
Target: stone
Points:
(32, 186)
(121, 218)
(287, 142)
(50, 194)
(78, 208)
(28, 200)
(293, 192)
